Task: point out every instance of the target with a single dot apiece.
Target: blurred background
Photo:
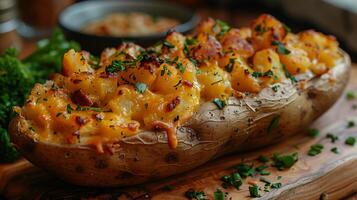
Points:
(23, 22)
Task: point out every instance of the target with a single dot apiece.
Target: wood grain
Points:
(335, 175)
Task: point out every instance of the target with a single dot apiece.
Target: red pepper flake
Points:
(80, 98)
(187, 83)
(172, 105)
(132, 126)
(81, 120)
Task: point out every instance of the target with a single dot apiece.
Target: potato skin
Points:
(242, 125)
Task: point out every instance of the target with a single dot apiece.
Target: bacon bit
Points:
(172, 105)
(76, 81)
(132, 126)
(81, 120)
(187, 83)
(170, 131)
(78, 97)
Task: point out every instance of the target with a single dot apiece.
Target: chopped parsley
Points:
(218, 195)
(335, 150)
(244, 170)
(229, 66)
(315, 149)
(264, 173)
(273, 124)
(140, 87)
(261, 168)
(197, 195)
(332, 137)
(350, 141)
(96, 109)
(180, 67)
(313, 132)
(287, 28)
(268, 73)
(275, 88)
(350, 95)
(168, 44)
(219, 103)
(115, 66)
(254, 191)
(69, 109)
(164, 68)
(350, 124)
(276, 185)
(224, 27)
(289, 76)
(234, 180)
(281, 48)
(282, 162)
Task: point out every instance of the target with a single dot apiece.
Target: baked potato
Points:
(142, 114)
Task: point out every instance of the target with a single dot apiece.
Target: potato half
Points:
(244, 124)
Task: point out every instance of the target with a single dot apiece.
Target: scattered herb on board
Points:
(244, 170)
(350, 124)
(350, 95)
(234, 180)
(313, 132)
(140, 87)
(282, 162)
(332, 137)
(335, 150)
(315, 149)
(219, 103)
(273, 124)
(218, 195)
(195, 195)
(281, 48)
(254, 191)
(261, 168)
(276, 185)
(350, 141)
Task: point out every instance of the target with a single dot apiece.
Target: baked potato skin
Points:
(242, 125)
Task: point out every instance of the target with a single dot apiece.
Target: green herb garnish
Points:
(168, 44)
(282, 162)
(350, 124)
(313, 132)
(234, 180)
(219, 103)
(224, 27)
(335, 150)
(350, 95)
(140, 87)
(218, 195)
(276, 185)
(350, 141)
(244, 170)
(275, 88)
(115, 66)
(229, 66)
(254, 191)
(281, 48)
(197, 195)
(69, 109)
(315, 149)
(332, 137)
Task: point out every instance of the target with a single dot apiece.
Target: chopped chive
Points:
(313, 132)
(350, 141)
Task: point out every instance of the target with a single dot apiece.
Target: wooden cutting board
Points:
(327, 175)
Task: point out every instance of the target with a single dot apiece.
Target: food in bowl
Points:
(142, 114)
(130, 24)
